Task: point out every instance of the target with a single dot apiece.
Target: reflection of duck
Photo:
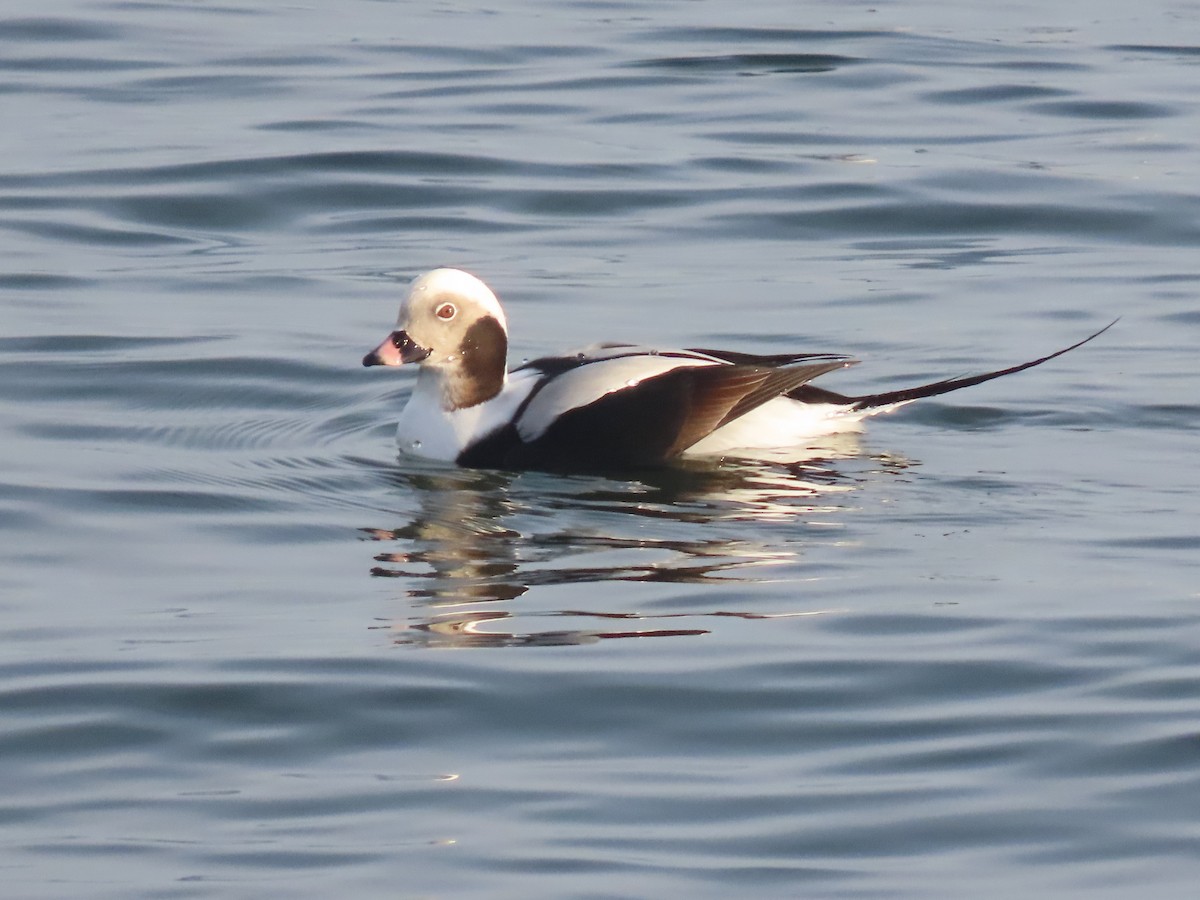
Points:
(611, 406)
(479, 540)
(458, 535)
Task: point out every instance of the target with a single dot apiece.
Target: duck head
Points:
(453, 326)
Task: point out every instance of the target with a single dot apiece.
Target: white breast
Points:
(428, 430)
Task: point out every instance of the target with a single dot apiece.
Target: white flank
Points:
(780, 424)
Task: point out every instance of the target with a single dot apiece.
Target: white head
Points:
(452, 324)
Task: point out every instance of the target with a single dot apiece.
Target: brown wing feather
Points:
(779, 382)
(720, 394)
(710, 393)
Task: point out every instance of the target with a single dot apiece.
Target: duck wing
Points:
(632, 411)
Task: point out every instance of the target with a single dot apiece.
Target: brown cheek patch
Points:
(483, 353)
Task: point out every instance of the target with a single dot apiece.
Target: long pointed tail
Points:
(810, 394)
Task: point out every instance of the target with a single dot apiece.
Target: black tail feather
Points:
(809, 394)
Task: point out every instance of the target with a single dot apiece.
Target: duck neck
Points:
(478, 371)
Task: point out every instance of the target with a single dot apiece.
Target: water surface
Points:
(248, 651)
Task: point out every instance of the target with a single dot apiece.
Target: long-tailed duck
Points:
(609, 406)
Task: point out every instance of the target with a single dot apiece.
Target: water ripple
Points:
(1103, 109)
(751, 63)
(45, 29)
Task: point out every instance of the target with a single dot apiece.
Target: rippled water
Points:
(956, 656)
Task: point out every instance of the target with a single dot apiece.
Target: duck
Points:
(609, 406)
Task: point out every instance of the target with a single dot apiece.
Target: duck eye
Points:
(445, 311)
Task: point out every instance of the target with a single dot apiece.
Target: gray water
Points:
(248, 652)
